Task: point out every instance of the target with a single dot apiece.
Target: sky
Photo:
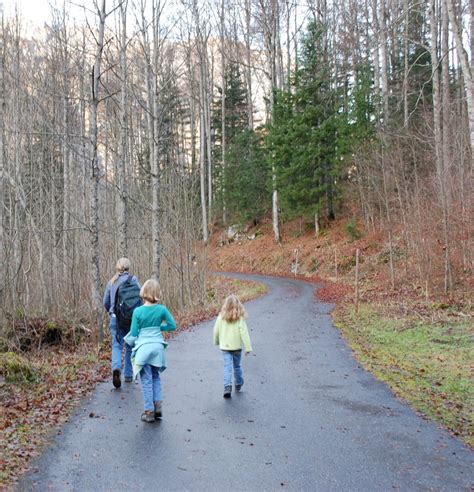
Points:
(37, 12)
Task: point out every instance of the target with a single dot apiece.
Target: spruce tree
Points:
(240, 184)
(315, 126)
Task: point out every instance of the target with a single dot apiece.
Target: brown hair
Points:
(151, 291)
(122, 265)
(232, 309)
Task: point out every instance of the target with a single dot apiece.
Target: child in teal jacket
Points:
(230, 333)
(148, 346)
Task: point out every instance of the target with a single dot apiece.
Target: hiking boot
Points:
(148, 416)
(238, 387)
(158, 412)
(227, 391)
(116, 378)
(128, 379)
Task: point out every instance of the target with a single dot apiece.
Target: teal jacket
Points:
(146, 337)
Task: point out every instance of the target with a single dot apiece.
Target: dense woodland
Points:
(140, 128)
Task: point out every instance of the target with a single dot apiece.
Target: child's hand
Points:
(247, 353)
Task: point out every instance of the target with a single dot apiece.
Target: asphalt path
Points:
(308, 418)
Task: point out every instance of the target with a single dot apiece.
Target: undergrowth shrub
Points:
(23, 334)
(352, 231)
(16, 368)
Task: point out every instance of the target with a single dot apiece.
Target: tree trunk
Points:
(207, 113)
(223, 118)
(2, 177)
(383, 60)
(248, 72)
(155, 165)
(95, 178)
(202, 160)
(376, 56)
(273, 51)
(467, 71)
(438, 136)
(405, 65)
(122, 160)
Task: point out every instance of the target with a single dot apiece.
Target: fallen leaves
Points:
(31, 411)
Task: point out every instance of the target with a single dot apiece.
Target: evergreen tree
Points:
(240, 182)
(303, 136)
(313, 129)
(245, 178)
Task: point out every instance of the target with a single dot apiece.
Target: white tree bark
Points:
(268, 13)
(202, 157)
(248, 71)
(437, 126)
(467, 71)
(201, 44)
(376, 28)
(2, 172)
(123, 153)
(382, 25)
(155, 166)
(95, 175)
(223, 109)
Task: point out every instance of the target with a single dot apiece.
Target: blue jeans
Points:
(151, 386)
(232, 361)
(117, 349)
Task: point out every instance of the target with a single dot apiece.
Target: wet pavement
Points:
(308, 418)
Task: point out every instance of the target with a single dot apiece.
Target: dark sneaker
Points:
(148, 417)
(158, 412)
(238, 387)
(116, 378)
(227, 391)
(128, 379)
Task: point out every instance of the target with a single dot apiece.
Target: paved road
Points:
(309, 418)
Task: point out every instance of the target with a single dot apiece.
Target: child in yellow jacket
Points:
(230, 333)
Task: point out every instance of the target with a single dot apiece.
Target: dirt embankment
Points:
(331, 258)
(414, 337)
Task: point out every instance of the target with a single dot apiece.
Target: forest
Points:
(140, 127)
(161, 130)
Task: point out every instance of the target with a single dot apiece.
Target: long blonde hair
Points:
(232, 309)
(122, 265)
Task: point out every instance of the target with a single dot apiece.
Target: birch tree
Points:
(467, 70)
(95, 171)
(123, 152)
(3, 255)
(268, 15)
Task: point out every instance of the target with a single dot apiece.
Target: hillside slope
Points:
(412, 336)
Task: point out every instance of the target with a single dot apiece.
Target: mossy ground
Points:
(430, 364)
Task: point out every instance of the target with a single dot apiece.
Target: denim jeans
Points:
(232, 361)
(151, 386)
(117, 349)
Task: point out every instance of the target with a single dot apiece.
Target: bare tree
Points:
(95, 172)
(268, 15)
(3, 256)
(467, 71)
(123, 152)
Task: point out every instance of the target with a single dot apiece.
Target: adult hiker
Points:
(121, 297)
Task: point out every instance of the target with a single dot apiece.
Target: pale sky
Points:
(38, 12)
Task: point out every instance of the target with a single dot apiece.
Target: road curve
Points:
(308, 418)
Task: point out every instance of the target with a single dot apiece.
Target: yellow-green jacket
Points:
(232, 335)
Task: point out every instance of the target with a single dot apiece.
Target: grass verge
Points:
(427, 363)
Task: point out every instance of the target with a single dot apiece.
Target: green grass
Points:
(428, 364)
